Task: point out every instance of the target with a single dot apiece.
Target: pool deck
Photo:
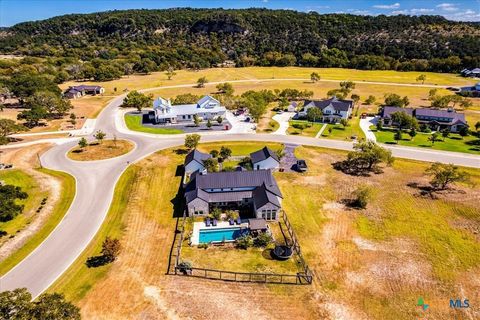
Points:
(197, 226)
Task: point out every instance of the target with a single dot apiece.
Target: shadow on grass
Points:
(97, 261)
(77, 151)
(180, 151)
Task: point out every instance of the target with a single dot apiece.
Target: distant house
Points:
(206, 108)
(254, 193)
(292, 107)
(265, 158)
(471, 91)
(194, 161)
(333, 109)
(79, 91)
(473, 73)
(434, 118)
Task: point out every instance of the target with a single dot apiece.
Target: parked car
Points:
(301, 165)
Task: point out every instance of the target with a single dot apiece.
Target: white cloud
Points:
(420, 10)
(264, 1)
(467, 15)
(447, 6)
(387, 6)
(359, 12)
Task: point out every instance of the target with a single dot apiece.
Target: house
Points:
(333, 109)
(474, 73)
(79, 91)
(436, 119)
(194, 161)
(470, 91)
(265, 158)
(254, 193)
(206, 108)
(292, 107)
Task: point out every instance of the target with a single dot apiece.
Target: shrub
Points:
(244, 242)
(216, 213)
(362, 195)
(262, 240)
(203, 246)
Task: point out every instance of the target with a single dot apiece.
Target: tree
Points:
(73, 118)
(434, 137)
(209, 124)
(412, 133)
(280, 153)
(196, 120)
(216, 213)
(214, 153)
(466, 103)
(32, 116)
(366, 156)
(422, 78)
(362, 195)
(314, 76)
(344, 122)
(211, 164)
(82, 143)
(393, 99)
(219, 120)
(355, 98)
(201, 82)
(8, 127)
(18, 305)
(370, 100)
(455, 99)
(225, 88)
(186, 98)
(135, 99)
(403, 120)
(445, 174)
(9, 208)
(347, 85)
(262, 240)
(225, 152)
(110, 249)
(432, 94)
(379, 124)
(54, 105)
(170, 73)
(477, 126)
(330, 130)
(99, 135)
(463, 131)
(192, 140)
(440, 101)
(314, 114)
(398, 135)
(445, 133)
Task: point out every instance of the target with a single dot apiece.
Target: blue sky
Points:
(15, 11)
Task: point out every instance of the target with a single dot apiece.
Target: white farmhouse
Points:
(332, 109)
(206, 108)
(264, 159)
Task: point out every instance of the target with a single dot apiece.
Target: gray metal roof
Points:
(257, 224)
(388, 110)
(451, 115)
(197, 156)
(337, 104)
(263, 154)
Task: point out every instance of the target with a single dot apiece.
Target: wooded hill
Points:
(200, 38)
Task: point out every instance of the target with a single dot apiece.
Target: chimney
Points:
(204, 172)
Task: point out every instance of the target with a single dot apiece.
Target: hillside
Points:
(205, 37)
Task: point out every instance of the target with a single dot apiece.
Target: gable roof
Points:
(452, 115)
(262, 195)
(206, 99)
(337, 104)
(388, 110)
(84, 87)
(263, 154)
(196, 155)
(161, 103)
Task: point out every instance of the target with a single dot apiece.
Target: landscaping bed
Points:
(105, 149)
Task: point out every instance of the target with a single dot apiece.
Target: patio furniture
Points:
(207, 222)
(214, 223)
(239, 221)
(231, 222)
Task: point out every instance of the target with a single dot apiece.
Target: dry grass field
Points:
(368, 264)
(99, 151)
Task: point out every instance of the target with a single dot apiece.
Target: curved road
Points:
(96, 182)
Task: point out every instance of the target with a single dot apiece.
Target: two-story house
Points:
(206, 108)
(333, 109)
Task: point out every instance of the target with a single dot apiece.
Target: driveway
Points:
(365, 126)
(239, 125)
(282, 119)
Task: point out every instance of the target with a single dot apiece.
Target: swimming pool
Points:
(220, 234)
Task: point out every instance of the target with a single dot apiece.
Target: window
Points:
(264, 214)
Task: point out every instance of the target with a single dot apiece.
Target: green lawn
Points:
(311, 129)
(78, 279)
(454, 142)
(59, 211)
(344, 133)
(28, 184)
(135, 123)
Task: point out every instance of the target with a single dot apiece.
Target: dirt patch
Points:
(26, 159)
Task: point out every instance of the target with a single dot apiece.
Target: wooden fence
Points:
(300, 278)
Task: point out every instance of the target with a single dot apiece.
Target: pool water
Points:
(219, 235)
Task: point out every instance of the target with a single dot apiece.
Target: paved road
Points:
(96, 182)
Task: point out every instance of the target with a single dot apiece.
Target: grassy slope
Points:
(78, 279)
(453, 143)
(134, 123)
(309, 132)
(35, 195)
(59, 211)
(105, 150)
